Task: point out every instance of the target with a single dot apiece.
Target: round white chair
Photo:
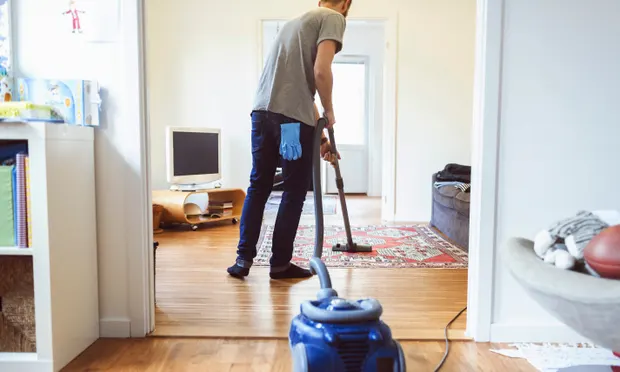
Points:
(587, 304)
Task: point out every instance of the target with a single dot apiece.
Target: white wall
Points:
(203, 67)
(43, 50)
(435, 97)
(559, 126)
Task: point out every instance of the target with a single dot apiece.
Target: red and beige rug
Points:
(410, 246)
(330, 203)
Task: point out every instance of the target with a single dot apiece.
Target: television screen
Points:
(195, 153)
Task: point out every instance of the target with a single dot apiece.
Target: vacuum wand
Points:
(340, 187)
(351, 246)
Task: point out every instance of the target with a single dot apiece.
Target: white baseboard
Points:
(405, 218)
(26, 366)
(534, 333)
(115, 328)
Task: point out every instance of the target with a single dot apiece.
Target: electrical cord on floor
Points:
(445, 355)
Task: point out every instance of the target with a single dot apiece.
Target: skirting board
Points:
(403, 217)
(529, 333)
(29, 366)
(114, 328)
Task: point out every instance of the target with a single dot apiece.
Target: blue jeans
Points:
(297, 174)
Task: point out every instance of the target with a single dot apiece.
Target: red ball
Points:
(603, 253)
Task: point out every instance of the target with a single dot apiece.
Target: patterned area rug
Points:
(330, 203)
(411, 246)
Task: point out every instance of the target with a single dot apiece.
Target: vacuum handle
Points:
(322, 124)
(332, 140)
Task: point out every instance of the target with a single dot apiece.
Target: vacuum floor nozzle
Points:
(355, 248)
(350, 246)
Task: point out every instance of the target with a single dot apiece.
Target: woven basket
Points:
(17, 317)
(158, 210)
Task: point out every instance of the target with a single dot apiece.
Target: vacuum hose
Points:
(316, 265)
(316, 333)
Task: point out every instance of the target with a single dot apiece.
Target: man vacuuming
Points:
(283, 123)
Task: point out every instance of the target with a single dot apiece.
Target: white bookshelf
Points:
(12, 251)
(64, 244)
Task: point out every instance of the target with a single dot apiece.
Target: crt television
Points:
(193, 155)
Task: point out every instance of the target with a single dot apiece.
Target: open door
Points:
(350, 97)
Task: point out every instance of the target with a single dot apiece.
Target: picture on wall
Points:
(92, 20)
(75, 14)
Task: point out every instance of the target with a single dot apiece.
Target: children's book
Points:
(7, 227)
(22, 230)
(28, 203)
(14, 186)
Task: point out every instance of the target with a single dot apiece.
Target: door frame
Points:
(140, 265)
(485, 136)
(485, 162)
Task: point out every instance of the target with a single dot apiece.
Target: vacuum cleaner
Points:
(333, 334)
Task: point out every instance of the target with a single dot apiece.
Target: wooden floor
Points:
(196, 297)
(188, 355)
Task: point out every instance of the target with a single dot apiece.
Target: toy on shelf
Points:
(28, 111)
(6, 88)
(563, 243)
(77, 101)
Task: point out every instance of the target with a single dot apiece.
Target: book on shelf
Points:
(220, 204)
(28, 203)
(7, 216)
(14, 201)
(22, 229)
(219, 209)
(220, 213)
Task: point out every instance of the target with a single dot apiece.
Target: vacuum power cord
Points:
(445, 355)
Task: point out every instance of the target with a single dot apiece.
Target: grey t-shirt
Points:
(287, 83)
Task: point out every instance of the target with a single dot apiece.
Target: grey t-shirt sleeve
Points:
(332, 28)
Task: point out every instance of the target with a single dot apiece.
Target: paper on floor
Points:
(551, 358)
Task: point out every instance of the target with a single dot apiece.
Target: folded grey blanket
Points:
(464, 187)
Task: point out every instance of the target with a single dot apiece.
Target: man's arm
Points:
(323, 76)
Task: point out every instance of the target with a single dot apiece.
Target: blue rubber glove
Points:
(290, 148)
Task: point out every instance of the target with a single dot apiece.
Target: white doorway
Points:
(141, 261)
(350, 96)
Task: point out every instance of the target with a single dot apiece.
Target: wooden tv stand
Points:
(176, 206)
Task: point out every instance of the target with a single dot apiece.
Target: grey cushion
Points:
(461, 203)
(450, 213)
(453, 198)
